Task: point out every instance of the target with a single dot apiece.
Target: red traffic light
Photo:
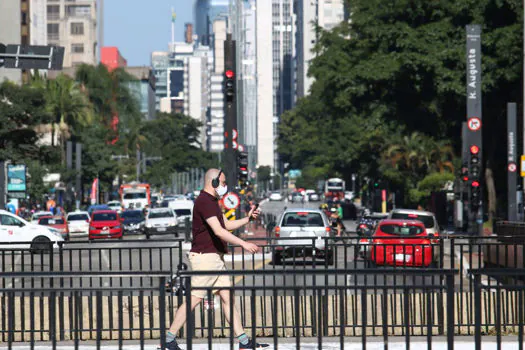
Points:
(475, 184)
(229, 74)
(474, 149)
(465, 178)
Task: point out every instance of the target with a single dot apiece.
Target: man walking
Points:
(210, 237)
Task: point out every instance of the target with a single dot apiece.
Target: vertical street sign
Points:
(511, 162)
(474, 124)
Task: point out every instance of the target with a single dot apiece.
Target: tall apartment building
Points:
(73, 24)
(324, 13)
(11, 33)
(38, 22)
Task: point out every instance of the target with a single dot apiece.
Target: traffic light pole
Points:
(230, 112)
(474, 125)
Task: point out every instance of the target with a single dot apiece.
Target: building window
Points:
(77, 48)
(77, 28)
(78, 10)
(52, 31)
(53, 12)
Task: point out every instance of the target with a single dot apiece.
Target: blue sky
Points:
(138, 27)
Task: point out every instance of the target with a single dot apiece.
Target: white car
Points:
(15, 229)
(115, 205)
(183, 210)
(161, 221)
(78, 223)
(276, 196)
(37, 215)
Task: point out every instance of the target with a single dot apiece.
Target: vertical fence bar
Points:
(520, 318)
(477, 311)
(10, 319)
(297, 318)
(364, 315)
(141, 316)
(254, 319)
(450, 310)
(498, 317)
(32, 319)
(406, 316)
(342, 314)
(209, 295)
(189, 314)
(121, 319)
(77, 306)
(99, 317)
(384, 314)
(162, 311)
(430, 320)
(274, 316)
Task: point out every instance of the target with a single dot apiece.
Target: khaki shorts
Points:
(210, 262)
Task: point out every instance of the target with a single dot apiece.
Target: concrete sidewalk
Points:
(373, 343)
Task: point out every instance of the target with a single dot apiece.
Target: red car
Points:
(105, 224)
(57, 222)
(403, 243)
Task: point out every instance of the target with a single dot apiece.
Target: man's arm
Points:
(235, 224)
(227, 236)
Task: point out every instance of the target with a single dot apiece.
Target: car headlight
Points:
(148, 225)
(117, 227)
(92, 228)
(173, 224)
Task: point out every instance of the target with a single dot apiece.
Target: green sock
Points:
(170, 337)
(243, 339)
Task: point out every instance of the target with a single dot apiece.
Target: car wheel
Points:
(277, 258)
(41, 244)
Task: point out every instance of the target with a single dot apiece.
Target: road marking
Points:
(255, 267)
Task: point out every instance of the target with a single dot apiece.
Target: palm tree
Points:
(66, 102)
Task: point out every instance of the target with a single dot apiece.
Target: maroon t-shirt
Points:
(204, 239)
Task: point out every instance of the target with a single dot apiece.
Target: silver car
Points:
(427, 218)
(303, 232)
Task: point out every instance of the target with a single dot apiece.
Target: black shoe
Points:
(252, 345)
(172, 345)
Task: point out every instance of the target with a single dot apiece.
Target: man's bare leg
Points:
(180, 315)
(225, 298)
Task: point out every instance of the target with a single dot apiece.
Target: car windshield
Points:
(427, 220)
(160, 214)
(135, 195)
(132, 214)
(303, 219)
(182, 212)
(77, 217)
(51, 221)
(401, 230)
(104, 216)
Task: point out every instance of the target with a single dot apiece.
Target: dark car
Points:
(133, 221)
(95, 207)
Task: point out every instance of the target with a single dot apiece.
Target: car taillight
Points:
(328, 229)
(87, 221)
(362, 226)
(277, 231)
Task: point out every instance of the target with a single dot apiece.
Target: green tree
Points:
(22, 110)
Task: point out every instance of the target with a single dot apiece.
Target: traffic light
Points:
(464, 172)
(242, 164)
(229, 85)
(475, 185)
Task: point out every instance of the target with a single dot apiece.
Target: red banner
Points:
(94, 191)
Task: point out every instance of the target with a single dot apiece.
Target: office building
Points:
(74, 25)
(11, 33)
(205, 12)
(265, 91)
(326, 14)
(143, 89)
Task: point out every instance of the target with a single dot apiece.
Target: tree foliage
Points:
(396, 69)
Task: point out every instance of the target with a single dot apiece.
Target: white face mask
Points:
(221, 190)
